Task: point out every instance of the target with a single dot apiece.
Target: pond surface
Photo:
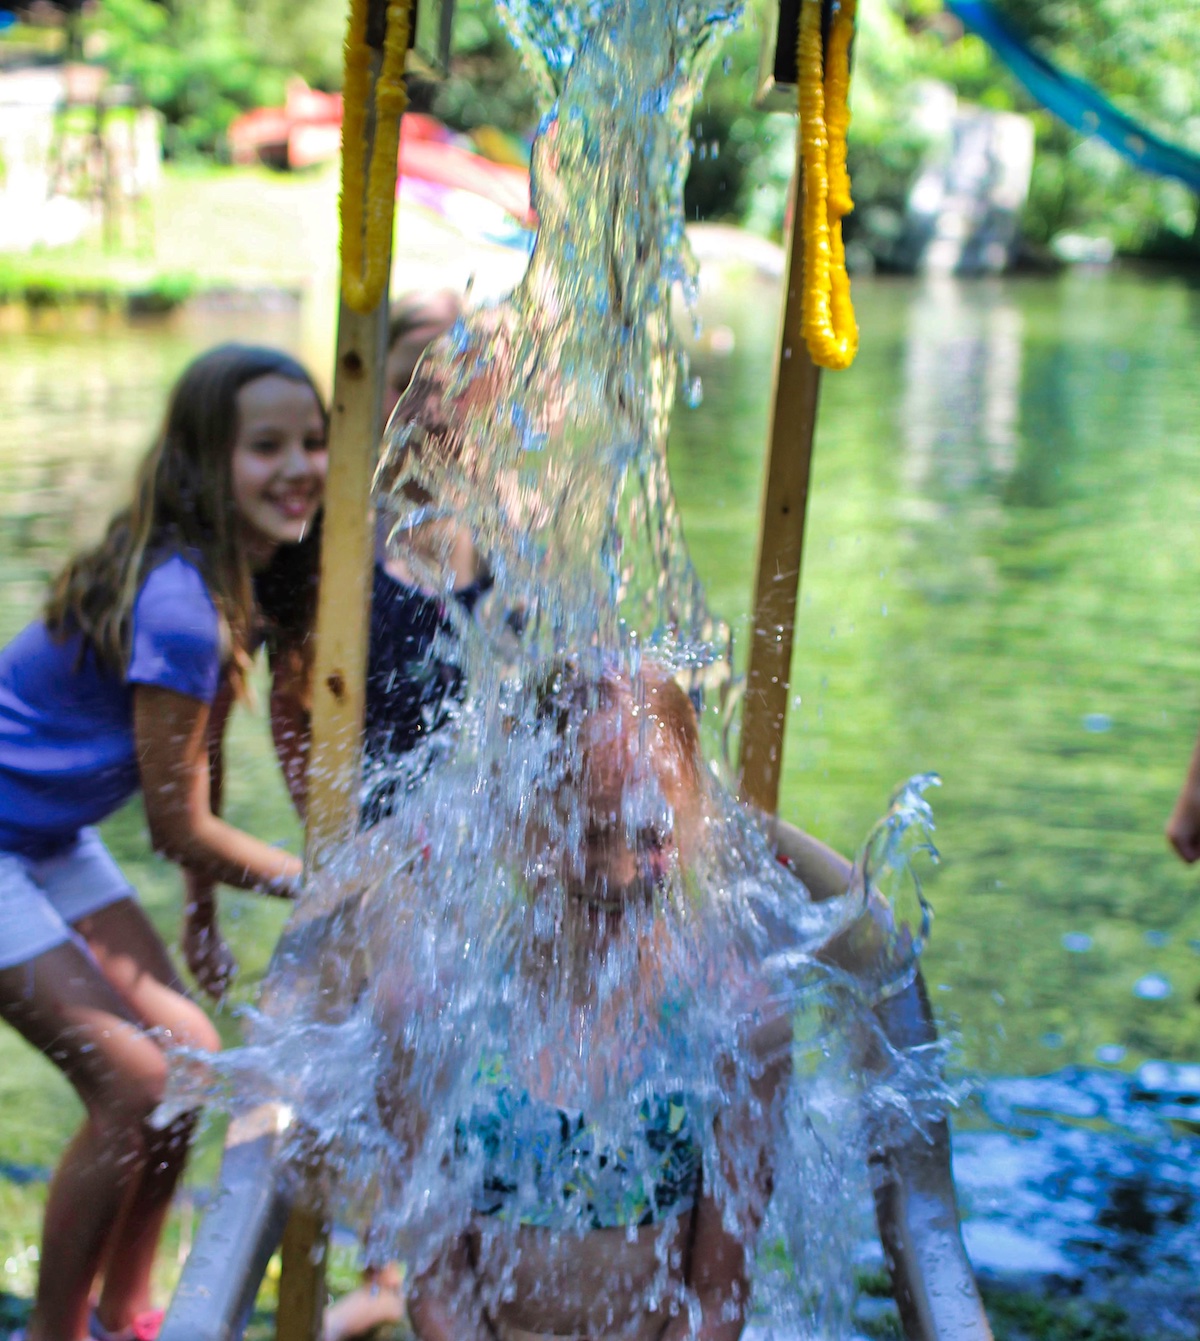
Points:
(999, 585)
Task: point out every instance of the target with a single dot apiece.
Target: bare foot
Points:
(376, 1303)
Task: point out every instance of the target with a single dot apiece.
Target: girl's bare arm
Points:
(171, 738)
(823, 872)
(291, 723)
(204, 950)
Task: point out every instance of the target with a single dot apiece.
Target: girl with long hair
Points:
(124, 683)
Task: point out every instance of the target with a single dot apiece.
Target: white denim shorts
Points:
(41, 901)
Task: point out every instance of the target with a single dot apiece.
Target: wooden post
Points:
(347, 558)
(781, 535)
(339, 700)
(339, 680)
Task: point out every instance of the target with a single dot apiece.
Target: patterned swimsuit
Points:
(546, 1166)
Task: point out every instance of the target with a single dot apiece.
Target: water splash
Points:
(542, 422)
(462, 984)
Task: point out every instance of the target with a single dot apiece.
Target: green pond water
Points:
(999, 585)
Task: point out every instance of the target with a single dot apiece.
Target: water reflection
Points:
(960, 412)
(1081, 1185)
(962, 386)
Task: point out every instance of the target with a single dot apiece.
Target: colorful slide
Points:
(1073, 100)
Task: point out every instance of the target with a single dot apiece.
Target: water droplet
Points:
(1152, 987)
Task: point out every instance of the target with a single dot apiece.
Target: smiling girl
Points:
(124, 682)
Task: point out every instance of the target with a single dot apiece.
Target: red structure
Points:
(307, 129)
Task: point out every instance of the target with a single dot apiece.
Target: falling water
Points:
(453, 974)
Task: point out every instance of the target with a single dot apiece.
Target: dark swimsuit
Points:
(411, 691)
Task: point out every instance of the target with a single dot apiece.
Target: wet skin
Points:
(563, 1285)
(611, 1282)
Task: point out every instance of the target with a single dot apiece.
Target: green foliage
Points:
(1145, 56)
(1018, 1315)
(486, 84)
(742, 159)
(190, 61)
(43, 281)
(303, 37)
(202, 62)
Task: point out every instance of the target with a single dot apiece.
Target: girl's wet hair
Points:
(423, 311)
(570, 691)
(182, 503)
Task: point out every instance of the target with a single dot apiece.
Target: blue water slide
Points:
(1073, 100)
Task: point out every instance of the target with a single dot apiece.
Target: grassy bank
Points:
(210, 230)
(204, 229)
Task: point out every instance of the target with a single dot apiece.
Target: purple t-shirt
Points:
(66, 723)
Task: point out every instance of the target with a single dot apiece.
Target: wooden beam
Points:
(339, 677)
(339, 702)
(347, 561)
(781, 536)
(301, 1307)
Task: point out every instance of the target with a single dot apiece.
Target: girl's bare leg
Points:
(62, 1003)
(444, 1302)
(135, 962)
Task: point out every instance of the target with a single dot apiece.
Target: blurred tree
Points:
(486, 85)
(201, 62)
(1144, 55)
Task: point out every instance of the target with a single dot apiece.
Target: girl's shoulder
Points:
(174, 596)
(176, 637)
(176, 573)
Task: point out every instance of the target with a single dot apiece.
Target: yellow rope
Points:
(366, 250)
(830, 330)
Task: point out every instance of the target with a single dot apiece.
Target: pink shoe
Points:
(145, 1327)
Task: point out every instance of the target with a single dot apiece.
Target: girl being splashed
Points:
(640, 1221)
(559, 1210)
(122, 683)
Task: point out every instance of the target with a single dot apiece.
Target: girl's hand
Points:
(210, 961)
(1183, 828)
